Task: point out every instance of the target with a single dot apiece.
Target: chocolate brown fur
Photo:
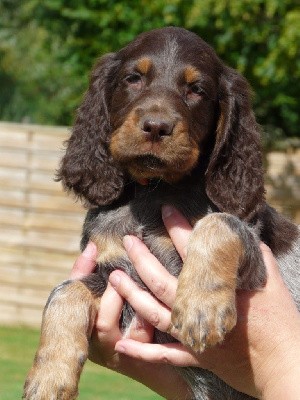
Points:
(164, 121)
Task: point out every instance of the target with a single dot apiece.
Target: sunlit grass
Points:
(17, 348)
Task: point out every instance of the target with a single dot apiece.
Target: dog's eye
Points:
(195, 92)
(134, 79)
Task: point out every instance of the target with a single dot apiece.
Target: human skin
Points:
(157, 376)
(252, 358)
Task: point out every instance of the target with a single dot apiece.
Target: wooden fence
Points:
(41, 225)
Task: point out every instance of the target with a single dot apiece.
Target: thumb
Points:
(85, 263)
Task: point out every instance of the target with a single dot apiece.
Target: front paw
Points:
(51, 380)
(202, 319)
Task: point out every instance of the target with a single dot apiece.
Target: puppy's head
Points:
(148, 113)
(164, 104)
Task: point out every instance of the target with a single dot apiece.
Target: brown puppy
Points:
(164, 121)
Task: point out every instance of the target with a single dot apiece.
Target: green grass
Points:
(17, 349)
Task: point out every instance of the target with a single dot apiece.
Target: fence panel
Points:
(40, 224)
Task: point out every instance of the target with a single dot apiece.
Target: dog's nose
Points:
(156, 129)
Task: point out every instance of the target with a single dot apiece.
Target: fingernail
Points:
(128, 242)
(90, 251)
(167, 211)
(119, 348)
(114, 279)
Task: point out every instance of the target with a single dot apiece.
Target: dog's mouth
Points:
(147, 166)
(150, 162)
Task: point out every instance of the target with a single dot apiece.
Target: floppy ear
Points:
(87, 167)
(234, 177)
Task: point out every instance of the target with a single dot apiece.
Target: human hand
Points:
(106, 333)
(252, 358)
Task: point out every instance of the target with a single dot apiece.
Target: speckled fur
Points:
(201, 154)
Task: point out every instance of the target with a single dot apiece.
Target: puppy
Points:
(164, 121)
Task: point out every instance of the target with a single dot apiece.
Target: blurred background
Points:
(47, 49)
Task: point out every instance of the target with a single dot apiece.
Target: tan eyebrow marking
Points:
(191, 74)
(143, 65)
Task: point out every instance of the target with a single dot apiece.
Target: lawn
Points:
(17, 348)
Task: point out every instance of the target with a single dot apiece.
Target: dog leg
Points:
(67, 323)
(204, 309)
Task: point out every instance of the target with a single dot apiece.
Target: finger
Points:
(139, 330)
(149, 308)
(159, 281)
(85, 263)
(178, 228)
(170, 353)
(110, 309)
